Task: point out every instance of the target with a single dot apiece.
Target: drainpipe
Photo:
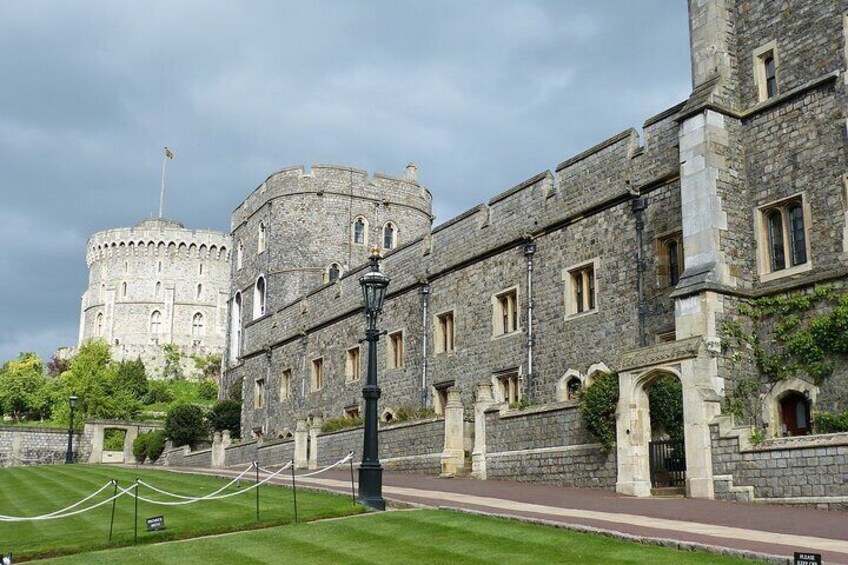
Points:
(638, 206)
(529, 251)
(425, 303)
(266, 401)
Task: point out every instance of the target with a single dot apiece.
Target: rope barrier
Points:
(220, 490)
(334, 465)
(6, 518)
(76, 512)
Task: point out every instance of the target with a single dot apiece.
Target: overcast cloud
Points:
(481, 94)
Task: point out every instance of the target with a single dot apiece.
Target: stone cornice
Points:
(661, 354)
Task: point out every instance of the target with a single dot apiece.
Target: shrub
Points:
(830, 422)
(407, 413)
(113, 440)
(185, 425)
(131, 376)
(598, 408)
(140, 447)
(207, 390)
(336, 424)
(226, 415)
(158, 392)
(155, 444)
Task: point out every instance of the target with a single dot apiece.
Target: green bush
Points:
(140, 447)
(158, 392)
(113, 440)
(185, 424)
(408, 413)
(830, 422)
(226, 415)
(155, 444)
(665, 398)
(336, 424)
(131, 376)
(207, 390)
(599, 403)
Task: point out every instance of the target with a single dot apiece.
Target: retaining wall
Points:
(37, 446)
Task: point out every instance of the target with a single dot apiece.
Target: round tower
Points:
(300, 230)
(155, 284)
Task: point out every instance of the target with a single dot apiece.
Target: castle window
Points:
(259, 298)
(580, 291)
(259, 394)
(159, 267)
(572, 388)
(98, 324)
(360, 229)
(261, 237)
(783, 238)
(445, 333)
(795, 415)
(765, 71)
(506, 387)
(505, 314)
(200, 269)
(440, 398)
(285, 384)
(157, 290)
(155, 322)
(317, 374)
(334, 271)
(353, 364)
(124, 290)
(199, 291)
(351, 412)
(395, 350)
(235, 329)
(197, 325)
(771, 75)
(240, 255)
(669, 259)
(389, 236)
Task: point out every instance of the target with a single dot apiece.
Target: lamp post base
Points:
(371, 486)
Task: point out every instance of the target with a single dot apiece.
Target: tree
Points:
(173, 368)
(209, 365)
(185, 424)
(131, 376)
(226, 415)
(155, 444)
(23, 388)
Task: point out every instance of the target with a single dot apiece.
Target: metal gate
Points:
(668, 463)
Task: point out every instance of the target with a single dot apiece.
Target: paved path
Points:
(756, 528)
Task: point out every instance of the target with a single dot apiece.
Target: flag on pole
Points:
(168, 153)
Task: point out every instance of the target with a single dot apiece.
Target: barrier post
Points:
(135, 521)
(352, 489)
(112, 521)
(257, 489)
(294, 492)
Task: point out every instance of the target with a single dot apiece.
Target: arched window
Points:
(239, 255)
(334, 271)
(795, 414)
(360, 229)
(199, 291)
(98, 324)
(124, 290)
(259, 298)
(157, 290)
(572, 388)
(197, 325)
(389, 236)
(156, 322)
(261, 237)
(235, 330)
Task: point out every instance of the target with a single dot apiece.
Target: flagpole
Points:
(162, 191)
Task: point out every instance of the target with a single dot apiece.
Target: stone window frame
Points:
(395, 232)
(663, 255)
(124, 289)
(239, 255)
(563, 387)
(440, 395)
(506, 303)
(157, 289)
(395, 349)
(365, 227)
(388, 415)
(328, 278)
(262, 238)
(760, 56)
(198, 330)
(591, 303)
(285, 384)
(236, 327)
(98, 324)
(317, 374)
(260, 297)
(199, 294)
(770, 406)
(506, 386)
(444, 328)
(761, 232)
(156, 322)
(352, 412)
(259, 393)
(353, 364)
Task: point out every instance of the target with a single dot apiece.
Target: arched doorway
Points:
(795, 414)
(667, 447)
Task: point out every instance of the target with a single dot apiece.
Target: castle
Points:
(155, 284)
(671, 253)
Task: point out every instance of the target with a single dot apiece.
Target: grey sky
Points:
(482, 95)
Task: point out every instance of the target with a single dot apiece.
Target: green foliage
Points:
(185, 424)
(665, 398)
(600, 400)
(24, 390)
(57, 365)
(155, 444)
(522, 403)
(741, 402)
(132, 376)
(208, 365)
(757, 435)
(235, 392)
(140, 447)
(158, 392)
(207, 390)
(830, 422)
(113, 440)
(226, 415)
(408, 413)
(336, 424)
(173, 368)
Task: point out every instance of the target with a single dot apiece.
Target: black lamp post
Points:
(374, 284)
(69, 455)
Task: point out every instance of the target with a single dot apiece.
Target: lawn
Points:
(418, 536)
(28, 491)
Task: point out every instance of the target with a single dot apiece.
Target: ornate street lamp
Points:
(69, 455)
(374, 284)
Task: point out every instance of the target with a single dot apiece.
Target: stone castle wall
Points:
(38, 446)
(157, 266)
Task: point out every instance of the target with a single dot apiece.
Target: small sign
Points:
(808, 558)
(155, 524)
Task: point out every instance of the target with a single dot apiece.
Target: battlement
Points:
(341, 180)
